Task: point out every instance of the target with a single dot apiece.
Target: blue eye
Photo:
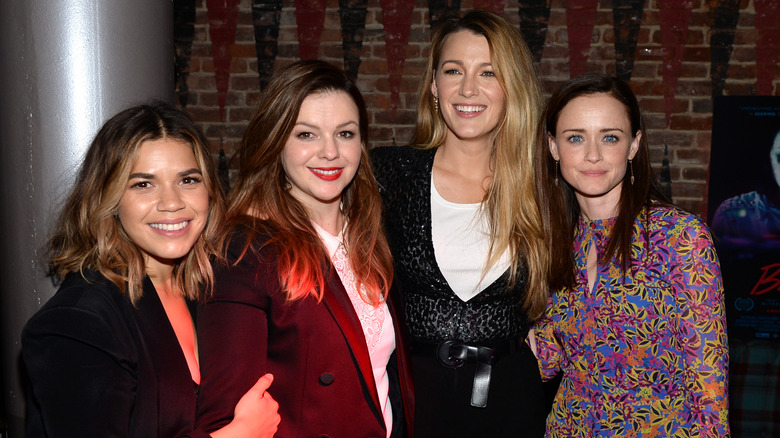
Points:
(575, 139)
(611, 139)
(489, 73)
(451, 71)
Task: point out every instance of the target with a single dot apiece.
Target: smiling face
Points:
(323, 151)
(593, 141)
(165, 204)
(471, 99)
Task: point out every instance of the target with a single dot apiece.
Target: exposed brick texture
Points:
(713, 52)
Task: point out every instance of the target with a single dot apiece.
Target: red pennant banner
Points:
(310, 18)
(397, 20)
(222, 16)
(768, 44)
(580, 20)
(675, 18)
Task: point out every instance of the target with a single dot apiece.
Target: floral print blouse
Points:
(642, 354)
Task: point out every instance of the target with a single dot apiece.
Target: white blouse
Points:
(461, 241)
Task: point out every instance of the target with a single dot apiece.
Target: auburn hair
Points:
(262, 202)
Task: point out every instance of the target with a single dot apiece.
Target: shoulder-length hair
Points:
(511, 205)
(88, 234)
(559, 202)
(262, 191)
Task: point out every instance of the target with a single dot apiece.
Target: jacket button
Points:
(324, 436)
(326, 379)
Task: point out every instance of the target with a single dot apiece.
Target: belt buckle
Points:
(445, 356)
(453, 353)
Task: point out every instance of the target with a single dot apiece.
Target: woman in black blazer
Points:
(304, 291)
(114, 353)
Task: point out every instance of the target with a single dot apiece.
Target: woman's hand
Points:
(256, 414)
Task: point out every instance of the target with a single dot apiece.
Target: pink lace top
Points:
(375, 320)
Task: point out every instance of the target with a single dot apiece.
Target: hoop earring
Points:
(556, 172)
(631, 168)
(435, 104)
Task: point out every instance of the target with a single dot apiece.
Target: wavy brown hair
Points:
(561, 208)
(511, 205)
(88, 234)
(262, 201)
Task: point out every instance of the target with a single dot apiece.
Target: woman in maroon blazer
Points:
(304, 291)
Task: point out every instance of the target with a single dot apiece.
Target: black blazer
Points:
(323, 379)
(98, 366)
(433, 312)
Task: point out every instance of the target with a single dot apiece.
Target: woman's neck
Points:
(461, 174)
(466, 157)
(161, 273)
(599, 207)
(330, 221)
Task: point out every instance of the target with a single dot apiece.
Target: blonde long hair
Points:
(511, 201)
(88, 234)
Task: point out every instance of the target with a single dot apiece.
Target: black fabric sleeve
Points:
(81, 374)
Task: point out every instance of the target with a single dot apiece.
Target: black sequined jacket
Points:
(433, 311)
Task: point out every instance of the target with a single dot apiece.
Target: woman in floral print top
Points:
(637, 322)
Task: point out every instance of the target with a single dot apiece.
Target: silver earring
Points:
(631, 168)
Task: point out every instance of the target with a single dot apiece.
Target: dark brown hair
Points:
(559, 204)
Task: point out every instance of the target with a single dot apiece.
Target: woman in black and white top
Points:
(466, 234)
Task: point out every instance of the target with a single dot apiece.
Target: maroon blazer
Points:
(316, 351)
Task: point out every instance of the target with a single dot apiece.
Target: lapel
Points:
(337, 302)
(158, 333)
(173, 380)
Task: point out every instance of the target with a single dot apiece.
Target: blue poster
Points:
(744, 211)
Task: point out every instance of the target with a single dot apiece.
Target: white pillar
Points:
(66, 67)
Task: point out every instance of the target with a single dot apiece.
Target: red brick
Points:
(695, 206)
(243, 50)
(690, 189)
(691, 123)
(245, 33)
(202, 115)
(244, 83)
(689, 155)
(689, 135)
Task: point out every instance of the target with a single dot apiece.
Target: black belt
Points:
(453, 353)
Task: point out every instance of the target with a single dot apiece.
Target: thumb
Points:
(263, 383)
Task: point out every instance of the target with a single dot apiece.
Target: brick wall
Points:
(677, 54)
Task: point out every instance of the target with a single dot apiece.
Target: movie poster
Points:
(744, 211)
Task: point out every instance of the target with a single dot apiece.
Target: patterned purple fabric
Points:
(642, 354)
